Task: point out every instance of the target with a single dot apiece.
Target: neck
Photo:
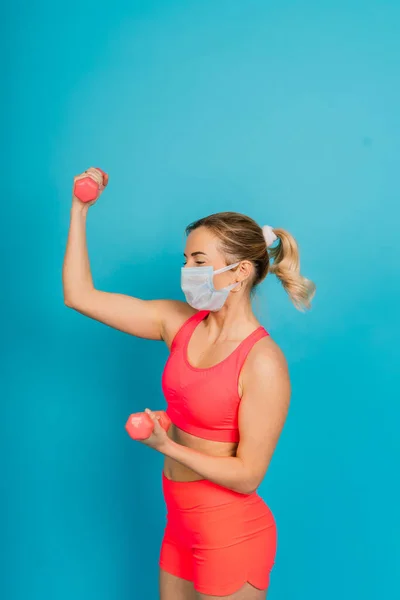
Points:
(233, 321)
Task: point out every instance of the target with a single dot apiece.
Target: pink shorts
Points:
(217, 538)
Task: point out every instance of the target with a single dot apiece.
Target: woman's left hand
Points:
(159, 437)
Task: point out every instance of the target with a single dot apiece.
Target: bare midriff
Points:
(176, 471)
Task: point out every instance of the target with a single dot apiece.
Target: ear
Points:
(244, 271)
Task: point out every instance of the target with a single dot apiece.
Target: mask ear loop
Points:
(228, 268)
(241, 282)
(218, 271)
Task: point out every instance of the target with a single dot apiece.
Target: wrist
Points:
(167, 447)
(79, 208)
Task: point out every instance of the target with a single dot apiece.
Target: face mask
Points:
(198, 287)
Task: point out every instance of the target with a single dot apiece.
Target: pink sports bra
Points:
(205, 402)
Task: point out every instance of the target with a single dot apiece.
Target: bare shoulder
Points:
(174, 315)
(266, 363)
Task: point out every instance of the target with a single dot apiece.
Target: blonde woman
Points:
(227, 389)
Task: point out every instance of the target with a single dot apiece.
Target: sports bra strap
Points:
(187, 328)
(246, 345)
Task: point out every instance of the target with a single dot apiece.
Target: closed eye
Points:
(196, 254)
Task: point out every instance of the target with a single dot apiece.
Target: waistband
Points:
(187, 495)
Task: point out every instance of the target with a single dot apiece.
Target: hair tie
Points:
(269, 236)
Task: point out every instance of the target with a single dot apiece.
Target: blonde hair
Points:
(242, 238)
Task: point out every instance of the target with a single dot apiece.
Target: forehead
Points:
(202, 240)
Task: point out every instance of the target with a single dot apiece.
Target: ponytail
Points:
(286, 266)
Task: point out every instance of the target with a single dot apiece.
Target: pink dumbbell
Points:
(140, 425)
(86, 189)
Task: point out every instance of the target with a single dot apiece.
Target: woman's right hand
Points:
(97, 176)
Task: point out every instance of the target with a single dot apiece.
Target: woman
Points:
(227, 388)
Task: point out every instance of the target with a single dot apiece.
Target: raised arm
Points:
(151, 319)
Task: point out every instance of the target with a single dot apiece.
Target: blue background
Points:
(287, 111)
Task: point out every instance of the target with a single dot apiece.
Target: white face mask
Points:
(198, 286)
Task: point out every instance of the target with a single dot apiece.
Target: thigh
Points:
(176, 568)
(247, 592)
(175, 588)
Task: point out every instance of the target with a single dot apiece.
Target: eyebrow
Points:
(195, 254)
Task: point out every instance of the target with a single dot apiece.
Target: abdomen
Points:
(176, 471)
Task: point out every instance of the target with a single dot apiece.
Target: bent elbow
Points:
(72, 302)
(248, 491)
(76, 299)
(250, 486)
(246, 488)
(68, 302)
